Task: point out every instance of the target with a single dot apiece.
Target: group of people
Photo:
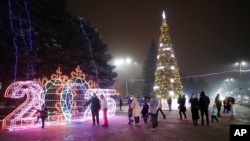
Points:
(228, 104)
(149, 108)
(202, 105)
(96, 105)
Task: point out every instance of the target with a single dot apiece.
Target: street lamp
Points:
(240, 65)
(119, 62)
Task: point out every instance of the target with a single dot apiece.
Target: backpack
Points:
(145, 108)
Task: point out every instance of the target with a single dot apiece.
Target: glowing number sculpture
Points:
(64, 98)
(23, 115)
(107, 93)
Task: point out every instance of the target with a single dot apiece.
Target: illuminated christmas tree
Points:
(167, 77)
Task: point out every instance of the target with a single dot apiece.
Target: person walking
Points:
(159, 106)
(42, 114)
(182, 108)
(203, 104)
(169, 103)
(104, 106)
(95, 107)
(153, 110)
(136, 110)
(194, 102)
(214, 113)
(218, 103)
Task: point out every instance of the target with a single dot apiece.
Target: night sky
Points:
(207, 36)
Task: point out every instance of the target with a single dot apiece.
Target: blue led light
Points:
(27, 44)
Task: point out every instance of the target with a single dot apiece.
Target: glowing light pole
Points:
(119, 62)
(240, 65)
(228, 85)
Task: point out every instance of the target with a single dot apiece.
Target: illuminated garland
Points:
(27, 45)
(30, 64)
(14, 40)
(212, 74)
(89, 45)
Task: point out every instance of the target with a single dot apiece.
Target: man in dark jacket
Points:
(95, 107)
(182, 108)
(218, 103)
(204, 103)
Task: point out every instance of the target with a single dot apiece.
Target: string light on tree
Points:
(167, 78)
(21, 27)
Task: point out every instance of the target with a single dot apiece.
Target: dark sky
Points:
(207, 36)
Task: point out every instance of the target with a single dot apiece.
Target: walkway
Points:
(171, 129)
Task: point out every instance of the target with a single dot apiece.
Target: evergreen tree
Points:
(167, 77)
(58, 40)
(6, 50)
(149, 68)
(16, 50)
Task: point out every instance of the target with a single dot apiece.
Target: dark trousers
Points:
(130, 113)
(137, 120)
(159, 109)
(170, 107)
(204, 111)
(214, 117)
(225, 110)
(182, 112)
(43, 120)
(154, 120)
(120, 107)
(145, 118)
(95, 117)
(219, 109)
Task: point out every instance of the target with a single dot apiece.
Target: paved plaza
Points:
(170, 129)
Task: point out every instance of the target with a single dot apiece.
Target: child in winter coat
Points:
(214, 113)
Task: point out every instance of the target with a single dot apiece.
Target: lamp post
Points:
(126, 61)
(240, 65)
(228, 85)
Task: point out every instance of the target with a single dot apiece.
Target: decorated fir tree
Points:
(167, 78)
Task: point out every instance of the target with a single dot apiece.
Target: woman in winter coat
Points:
(136, 110)
(194, 108)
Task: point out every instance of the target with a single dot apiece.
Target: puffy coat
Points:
(136, 107)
